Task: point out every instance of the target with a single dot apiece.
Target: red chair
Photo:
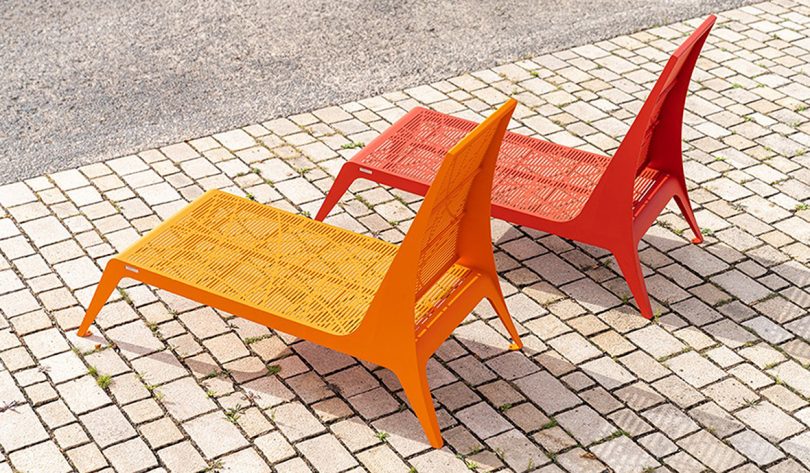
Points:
(598, 200)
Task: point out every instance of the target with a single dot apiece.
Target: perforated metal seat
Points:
(317, 275)
(545, 179)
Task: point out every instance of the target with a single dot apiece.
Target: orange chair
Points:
(387, 304)
(609, 203)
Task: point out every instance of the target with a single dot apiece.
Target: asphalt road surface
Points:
(82, 80)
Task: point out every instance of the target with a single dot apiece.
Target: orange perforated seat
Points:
(392, 305)
(321, 276)
(609, 202)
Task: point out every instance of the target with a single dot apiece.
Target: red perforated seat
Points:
(535, 176)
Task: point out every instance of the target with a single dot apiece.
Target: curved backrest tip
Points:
(663, 109)
(697, 35)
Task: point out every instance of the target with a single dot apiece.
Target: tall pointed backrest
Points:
(456, 203)
(655, 136)
(467, 171)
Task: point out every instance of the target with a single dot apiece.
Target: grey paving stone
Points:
(185, 399)
(694, 369)
(711, 451)
(327, 454)
(756, 448)
(656, 341)
(518, 451)
(624, 456)
(182, 457)
(246, 460)
(214, 434)
(296, 422)
(799, 446)
(41, 457)
(19, 428)
(608, 373)
(547, 392)
(131, 456)
(108, 426)
(585, 424)
(83, 395)
(671, 421)
(769, 421)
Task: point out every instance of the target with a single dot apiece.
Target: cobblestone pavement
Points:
(719, 381)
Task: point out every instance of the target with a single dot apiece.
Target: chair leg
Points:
(109, 280)
(682, 199)
(344, 179)
(414, 382)
(629, 263)
(499, 304)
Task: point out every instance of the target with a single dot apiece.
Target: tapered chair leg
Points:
(682, 199)
(415, 384)
(344, 179)
(499, 304)
(109, 280)
(630, 265)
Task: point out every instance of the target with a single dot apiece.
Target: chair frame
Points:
(387, 335)
(609, 219)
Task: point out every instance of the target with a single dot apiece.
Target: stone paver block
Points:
(711, 451)
(547, 392)
(107, 426)
(483, 420)
(795, 376)
(182, 458)
(41, 457)
(575, 347)
(185, 399)
(756, 448)
(131, 456)
(405, 433)
(799, 446)
(20, 427)
(656, 341)
(585, 424)
(671, 421)
(769, 421)
(694, 369)
(78, 273)
(296, 422)
(624, 456)
(439, 460)
(45, 231)
(517, 451)
(381, 459)
(83, 395)
(274, 447)
(214, 434)
(326, 454)
(608, 373)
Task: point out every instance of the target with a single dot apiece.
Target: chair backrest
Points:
(659, 122)
(452, 224)
(463, 181)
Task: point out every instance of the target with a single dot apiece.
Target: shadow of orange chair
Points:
(598, 200)
(387, 304)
